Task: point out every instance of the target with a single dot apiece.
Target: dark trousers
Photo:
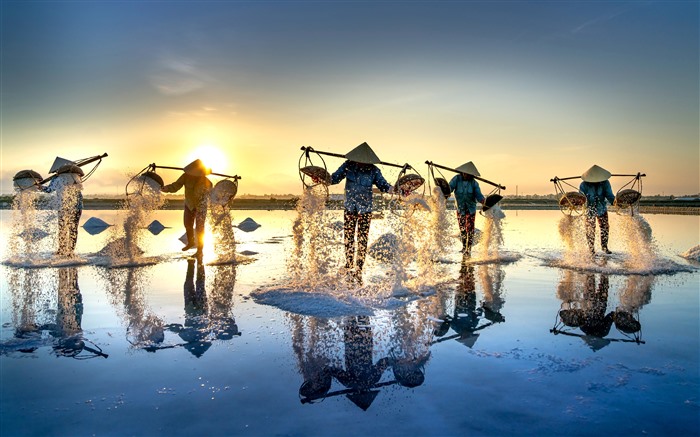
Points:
(68, 220)
(466, 230)
(356, 224)
(604, 230)
(190, 217)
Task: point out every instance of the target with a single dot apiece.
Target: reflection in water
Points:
(34, 314)
(207, 318)
(465, 317)
(585, 304)
(362, 363)
(126, 292)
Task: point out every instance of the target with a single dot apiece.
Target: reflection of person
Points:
(197, 187)
(360, 374)
(70, 303)
(195, 330)
(597, 189)
(67, 184)
(467, 193)
(360, 174)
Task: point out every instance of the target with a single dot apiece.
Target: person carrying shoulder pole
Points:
(360, 173)
(467, 193)
(197, 188)
(597, 189)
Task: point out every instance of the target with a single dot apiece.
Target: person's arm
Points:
(380, 182)
(339, 174)
(175, 186)
(477, 193)
(608, 193)
(453, 183)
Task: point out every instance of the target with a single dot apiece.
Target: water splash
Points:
(124, 243)
(440, 225)
(27, 240)
(636, 234)
(492, 234)
(315, 252)
(222, 229)
(573, 233)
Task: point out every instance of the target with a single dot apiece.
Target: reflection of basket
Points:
(318, 173)
(444, 186)
(627, 198)
(409, 183)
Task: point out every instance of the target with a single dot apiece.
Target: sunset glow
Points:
(525, 90)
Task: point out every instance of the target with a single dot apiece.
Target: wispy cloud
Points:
(176, 76)
(599, 20)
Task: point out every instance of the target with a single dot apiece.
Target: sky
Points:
(527, 90)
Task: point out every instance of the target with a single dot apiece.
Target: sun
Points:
(211, 156)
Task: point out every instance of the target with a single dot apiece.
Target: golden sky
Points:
(525, 90)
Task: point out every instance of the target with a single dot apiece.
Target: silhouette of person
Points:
(361, 174)
(597, 189)
(197, 188)
(467, 193)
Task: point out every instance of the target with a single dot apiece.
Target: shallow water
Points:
(169, 346)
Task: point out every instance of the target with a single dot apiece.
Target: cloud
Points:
(599, 20)
(175, 76)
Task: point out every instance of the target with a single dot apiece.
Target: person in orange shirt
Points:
(197, 188)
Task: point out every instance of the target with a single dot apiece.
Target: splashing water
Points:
(124, 243)
(439, 224)
(492, 234)
(637, 236)
(573, 233)
(313, 254)
(27, 238)
(222, 228)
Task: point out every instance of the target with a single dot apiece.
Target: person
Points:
(467, 193)
(597, 189)
(67, 184)
(361, 173)
(197, 187)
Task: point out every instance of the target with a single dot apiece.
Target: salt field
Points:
(523, 338)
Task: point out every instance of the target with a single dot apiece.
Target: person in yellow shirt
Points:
(197, 188)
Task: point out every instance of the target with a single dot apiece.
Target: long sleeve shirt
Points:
(467, 193)
(196, 189)
(596, 194)
(358, 185)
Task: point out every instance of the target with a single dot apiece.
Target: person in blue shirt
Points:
(361, 174)
(467, 193)
(67, 184)
(597, 189)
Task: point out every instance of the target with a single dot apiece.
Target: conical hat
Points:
(363, 154)
(468, 168)
(596, 174)
(197, 168)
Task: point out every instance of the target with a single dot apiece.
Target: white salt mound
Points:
(248, 225)
(692, 254)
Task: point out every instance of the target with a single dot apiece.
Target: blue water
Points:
(226, 363)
